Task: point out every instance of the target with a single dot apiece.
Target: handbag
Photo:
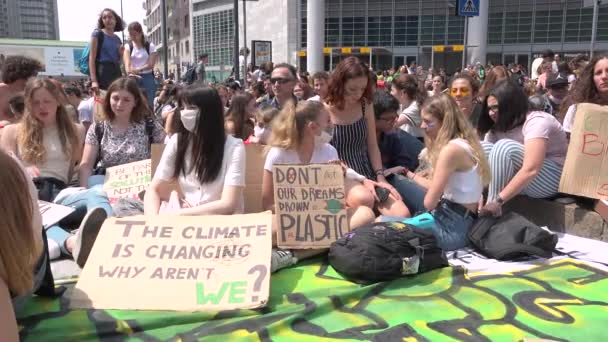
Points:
(48, 188)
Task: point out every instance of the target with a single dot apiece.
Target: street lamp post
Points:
(163, 31)
(236, 40)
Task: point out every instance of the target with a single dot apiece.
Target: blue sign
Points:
(468, 8)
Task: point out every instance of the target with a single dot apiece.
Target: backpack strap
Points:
(99, 130)
(100, 38)
(147, 46)
(150, 130)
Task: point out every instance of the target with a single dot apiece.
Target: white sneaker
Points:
(87, 233)
(281, 258)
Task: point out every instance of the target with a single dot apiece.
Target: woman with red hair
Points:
(352, 113)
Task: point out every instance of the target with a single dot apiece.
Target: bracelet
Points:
(379, 172)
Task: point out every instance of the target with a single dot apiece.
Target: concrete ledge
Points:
(575, 219)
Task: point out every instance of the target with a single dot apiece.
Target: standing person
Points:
(527, 150)
(140, 58)
(105, 64)
(406, 88)
(459, 172)
(49, 144)
(239, 118)
(465, 89)
(16, 71)
(125, 134)
(301, 136)
(352, 113)
(320, 83)
(437, 85)
(557, 90)
(85, 109)
(211, 178)
(591, 87)
(547, 56)
(21, 243)
(201, 76)
(496, 74)
(283, 79)
(541, 84)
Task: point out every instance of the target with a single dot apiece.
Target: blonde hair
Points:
(288, 127)
(17, 242)
(454, 125)
(30, 132)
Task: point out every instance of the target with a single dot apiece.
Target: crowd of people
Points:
(408, 144)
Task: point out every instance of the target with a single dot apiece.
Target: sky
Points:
(78, 18)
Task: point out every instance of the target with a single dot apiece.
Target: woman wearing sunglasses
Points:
(464, 89)
(526, 150)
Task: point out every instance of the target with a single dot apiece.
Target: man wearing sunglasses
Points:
(283, 79)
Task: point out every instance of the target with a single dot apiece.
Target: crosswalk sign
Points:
(468, 8)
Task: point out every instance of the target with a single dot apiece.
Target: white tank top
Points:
(464, 187)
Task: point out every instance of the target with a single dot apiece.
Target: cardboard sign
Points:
(586, 169)
(127, 180)
(310, 203)
(53, 213)
(254, 156)
(178, 263)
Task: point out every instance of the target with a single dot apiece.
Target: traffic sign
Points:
(468, 8)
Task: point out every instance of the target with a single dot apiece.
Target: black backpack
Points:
(386, 251)
(510, 237)
(190, 75)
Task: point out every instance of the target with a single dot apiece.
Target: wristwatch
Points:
(499, 200)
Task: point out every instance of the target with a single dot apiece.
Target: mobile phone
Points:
(382, 194)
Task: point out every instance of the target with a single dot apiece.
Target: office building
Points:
(28, 19)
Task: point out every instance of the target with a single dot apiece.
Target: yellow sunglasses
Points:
(463, 91)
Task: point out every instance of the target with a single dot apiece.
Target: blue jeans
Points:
(83, 201)
(411, 193)
(451, 228)
(147, 83)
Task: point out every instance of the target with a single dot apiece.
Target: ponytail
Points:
(288, 127)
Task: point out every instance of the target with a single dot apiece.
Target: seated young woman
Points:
(239, 118)
(459, 171)
(210, 178)
(526, 150)
(300, 135)
(21, 244)
(124, 135)
(49, 144)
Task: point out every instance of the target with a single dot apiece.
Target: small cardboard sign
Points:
(310, 205)
(178, 263)
(585, 172)
(127, 180)
(53, 213)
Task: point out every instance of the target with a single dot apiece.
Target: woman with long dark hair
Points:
(526, 149)
(105, 50)
(211, 178)
(590, 87)
(139, 58)
(239, 118)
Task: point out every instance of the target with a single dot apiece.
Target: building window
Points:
(186, 21)
(214, 35)
(187, 47)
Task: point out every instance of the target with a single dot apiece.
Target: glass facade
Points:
(214, 34)
(411, 23)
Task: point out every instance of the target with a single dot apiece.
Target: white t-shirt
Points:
(569, 119)
(535, 64)
(321, 154)
(140, 56)
(85, 110)
(414, 119)
(232, 173)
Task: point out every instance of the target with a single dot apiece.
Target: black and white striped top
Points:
(351, 143)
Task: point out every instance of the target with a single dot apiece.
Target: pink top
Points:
(546, 126)
(513, 134)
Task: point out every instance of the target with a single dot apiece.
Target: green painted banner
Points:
(565, 300)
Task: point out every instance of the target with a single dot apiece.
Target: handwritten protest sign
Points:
(53, 213)
(310, 205)
(586, 169)
(178, 263)
(127, 180)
